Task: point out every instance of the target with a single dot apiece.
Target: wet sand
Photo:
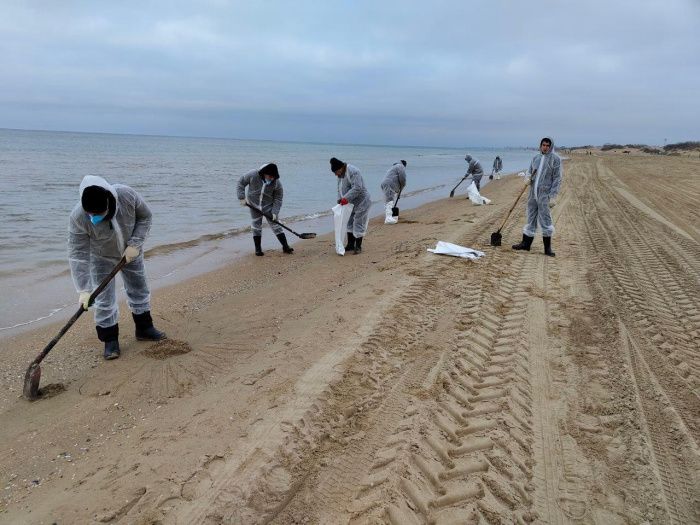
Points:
(395, 386)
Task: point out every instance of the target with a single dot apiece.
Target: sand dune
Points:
(396, 386)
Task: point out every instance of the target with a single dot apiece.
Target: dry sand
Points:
(395, 386)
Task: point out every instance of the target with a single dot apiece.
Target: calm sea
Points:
(189, 184)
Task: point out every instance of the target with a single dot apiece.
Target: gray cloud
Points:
(434, 73)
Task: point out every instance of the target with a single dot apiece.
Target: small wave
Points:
(25, 323)
(164, 249)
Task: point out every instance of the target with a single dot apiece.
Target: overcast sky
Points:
(452, 73)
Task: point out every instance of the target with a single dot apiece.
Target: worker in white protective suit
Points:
(265, 192)
(497, 167)
(111, 221)
(352, 190)
(393, 183)
(475, 170)
(544, 177)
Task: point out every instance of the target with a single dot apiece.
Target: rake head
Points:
(496, 238)
(307, 235)
(31, 382)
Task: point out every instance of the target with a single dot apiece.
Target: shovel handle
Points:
(512, 208)
(80, 311)
(460, 182)
(398, 197)
(269, 217)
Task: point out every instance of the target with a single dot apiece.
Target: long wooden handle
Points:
(398, 197)
(512, 207)
(461, 181)
(105, 281)
(269, 217)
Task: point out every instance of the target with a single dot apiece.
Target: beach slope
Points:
(395, 386)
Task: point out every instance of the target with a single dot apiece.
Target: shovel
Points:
(33, 374)
(395, 209)
(496, 236)
(452, 193)
(269, 217)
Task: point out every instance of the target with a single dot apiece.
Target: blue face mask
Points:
(96, 219)
(267, 182)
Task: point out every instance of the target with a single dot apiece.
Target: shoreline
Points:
(174, 263)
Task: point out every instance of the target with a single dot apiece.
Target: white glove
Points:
(527, 180)
(552, 202)
(131, 253)
(274, 216)
(84, 299)
(243, 202)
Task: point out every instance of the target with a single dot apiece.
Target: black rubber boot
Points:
(524, 244)
(548, 246)
(351, 242)
(257, 239)
(110, 337)
(282, 238)
(358, 245)
(145, 331)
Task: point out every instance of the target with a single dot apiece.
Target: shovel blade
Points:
(496, 239)
(307, 235)
(394, 212)
(31, 382)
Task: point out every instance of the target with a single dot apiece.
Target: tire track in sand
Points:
(467, 445)
(623, 259)
(629, 262)
(460, 397)
(453, 436)
(675, 455)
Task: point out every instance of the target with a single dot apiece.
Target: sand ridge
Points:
(396, 386)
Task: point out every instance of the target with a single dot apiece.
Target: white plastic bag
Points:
(388, 217)
(447, 248)
(341, 214)
(475, 196)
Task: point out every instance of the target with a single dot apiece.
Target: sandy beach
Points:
(395, 386)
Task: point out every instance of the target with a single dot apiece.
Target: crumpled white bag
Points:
(341, 214)
(388, 217)
(475, 196)
(455, 250)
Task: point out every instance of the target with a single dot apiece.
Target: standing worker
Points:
(265, 192)
(475, 170)
(393, 183)
(497, 167)
(111, 222)
(544, 177)
(352, 190)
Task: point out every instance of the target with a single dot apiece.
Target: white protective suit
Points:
(95, 249)
(475, 170)
(497, 167)
(267, 197)
(546, 173)
(352, 187)
(393, 183)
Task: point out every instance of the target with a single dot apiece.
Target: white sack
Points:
(388, 217)
(475, 196)
(341, 214)
(447, 248)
